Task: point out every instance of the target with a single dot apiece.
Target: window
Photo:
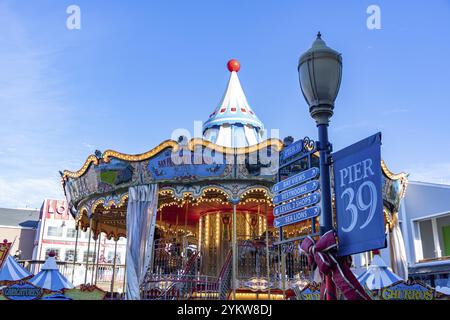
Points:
(55, 250)
(91, 256)
(54, 231)
(435, 237)
(426, 237)
(443, 230)
(70, 255)
(110, 257)
(71, 233)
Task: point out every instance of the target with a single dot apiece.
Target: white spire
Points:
(233, 123)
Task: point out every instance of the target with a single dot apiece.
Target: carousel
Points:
(197, 214)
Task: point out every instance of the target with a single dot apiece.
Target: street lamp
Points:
(320, 73)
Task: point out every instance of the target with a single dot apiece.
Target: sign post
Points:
(358, 191)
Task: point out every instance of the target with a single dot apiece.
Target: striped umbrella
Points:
(50, 278)
(379, 275)
(13, 271)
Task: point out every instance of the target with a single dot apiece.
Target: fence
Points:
(101, 275)
(185, 287)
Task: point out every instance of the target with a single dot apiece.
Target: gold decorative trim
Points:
(242, 150)
(390, 174)
(122, 200)
(96, 204)
(70, 174)
(83, 212)
(143, 156)
(214, 189)
(402, 176)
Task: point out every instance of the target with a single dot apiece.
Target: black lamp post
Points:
(320, 73)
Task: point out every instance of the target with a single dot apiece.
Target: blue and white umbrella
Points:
(379, 275)
(50, 278)
(13, 271)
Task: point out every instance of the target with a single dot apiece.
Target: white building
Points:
(56, 232)
(424, 219)
(425, 222)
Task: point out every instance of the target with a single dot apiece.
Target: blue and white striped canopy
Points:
(233, 123)
(378, 276)
(13, 271)
(50, 278)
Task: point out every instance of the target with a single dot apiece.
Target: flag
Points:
(4, 251)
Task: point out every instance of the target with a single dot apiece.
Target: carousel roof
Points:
(233, 123)
(379, 275)
(50, 278)
(12, 270)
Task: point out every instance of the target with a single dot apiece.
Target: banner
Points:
(410, 290)
(359, 202)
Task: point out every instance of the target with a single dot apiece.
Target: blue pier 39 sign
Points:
(359, 203)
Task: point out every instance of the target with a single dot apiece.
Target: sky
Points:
(137, 70)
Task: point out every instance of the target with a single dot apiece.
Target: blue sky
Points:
(137, 70)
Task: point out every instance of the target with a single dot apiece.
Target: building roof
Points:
(24, 218)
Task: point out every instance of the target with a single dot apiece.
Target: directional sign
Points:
(296, 217)
(359, 202)
(291, 150)
(297, 191)
(296, 180)
(297, 204)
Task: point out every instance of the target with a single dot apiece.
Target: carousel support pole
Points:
(88, 248)
(282, 264)
(93, 260)
(283, 272)
(282, 269)
(176, 226)
(234, 256)
(219, 255)
(185, 242)
(114, 268)
(125, 275)
(75, 256)
(98, 255)
(267, 249)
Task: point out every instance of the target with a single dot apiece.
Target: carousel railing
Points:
(187, 271)
(187, 287)
(178, 271)
(254, 263)
(225, 277)
(171, 255)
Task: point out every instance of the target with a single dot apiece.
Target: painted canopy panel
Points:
(171, 163)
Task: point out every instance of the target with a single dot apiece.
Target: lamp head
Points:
(320, 73)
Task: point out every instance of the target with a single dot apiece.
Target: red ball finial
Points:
(52, 253)
(5, 241)
(376, 251)
(233, 65)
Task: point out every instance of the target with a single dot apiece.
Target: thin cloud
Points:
(351, 126)
(29, 192)
(433, 173)
(394, 111)
(32, 110)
